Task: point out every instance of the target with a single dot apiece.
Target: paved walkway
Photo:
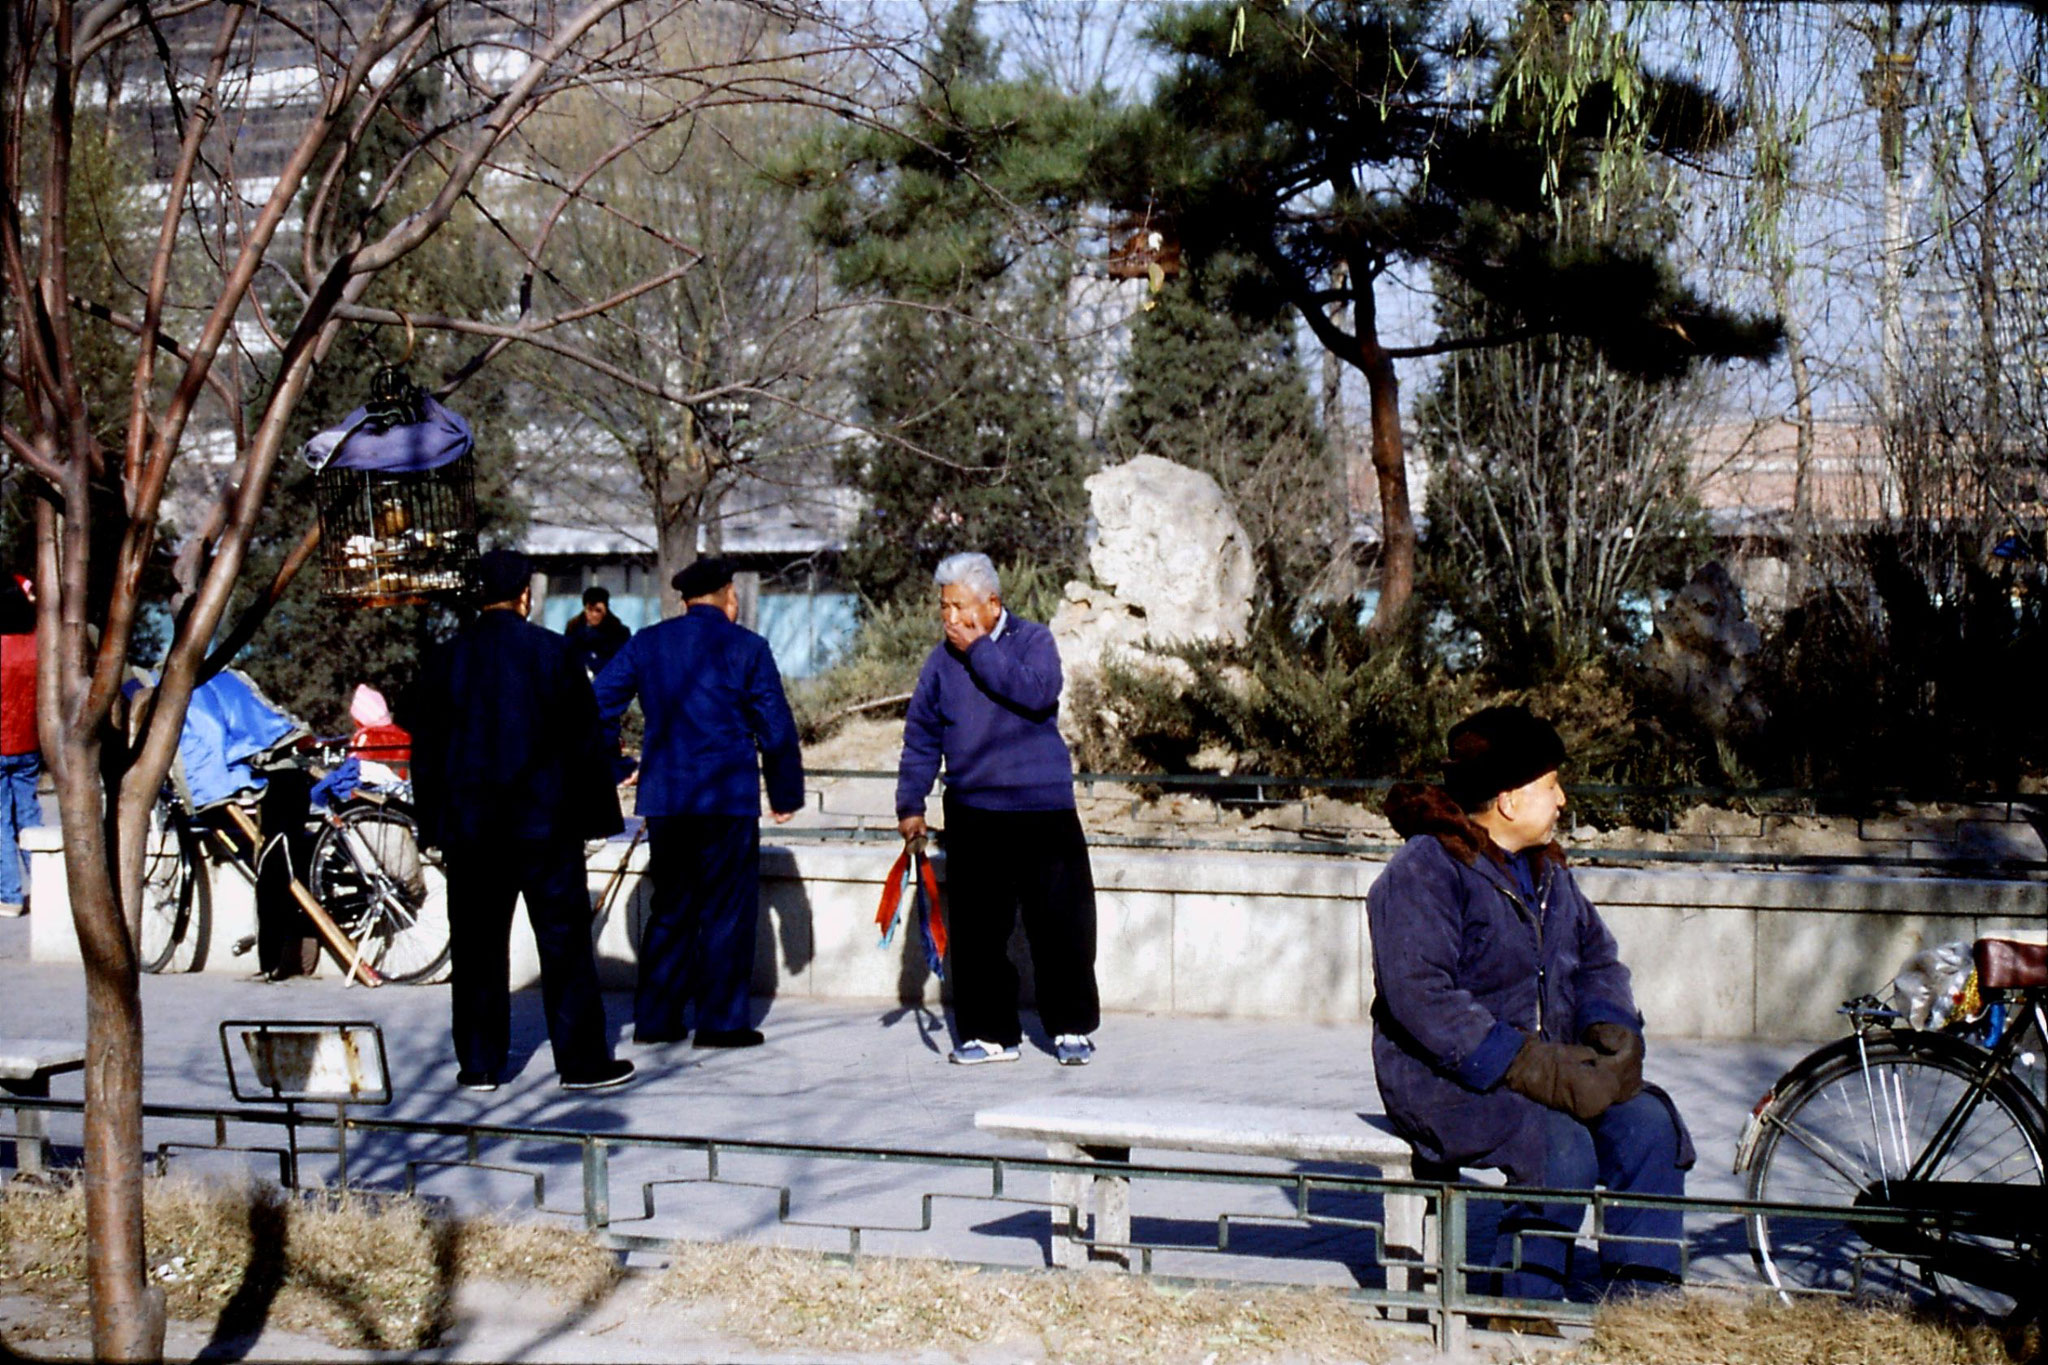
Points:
(840, 1074)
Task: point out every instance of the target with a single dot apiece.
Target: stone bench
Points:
(1104, 1130)
(26, 1065)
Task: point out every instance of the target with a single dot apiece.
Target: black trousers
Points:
(484, 881)
(285, 941)
(697, 945)
(1001, 862)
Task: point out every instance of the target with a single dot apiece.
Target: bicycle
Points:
(367, 874)
(1918, 1121)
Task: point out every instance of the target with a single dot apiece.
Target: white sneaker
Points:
(11, 910)
(1073, 1049)
(975, 1052)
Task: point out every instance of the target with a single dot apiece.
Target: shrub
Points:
(1328, 702)
(1880, 682)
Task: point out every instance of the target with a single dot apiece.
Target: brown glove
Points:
(1621, 1054)
(1563, 1076)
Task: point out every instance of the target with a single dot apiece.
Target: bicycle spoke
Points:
(1835, 1160)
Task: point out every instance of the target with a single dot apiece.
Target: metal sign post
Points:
(307, 1061)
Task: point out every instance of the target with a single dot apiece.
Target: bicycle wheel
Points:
(1843, 1137)
(369, 874)
(174, 924)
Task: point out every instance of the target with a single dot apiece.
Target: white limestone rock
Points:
(1172, 566)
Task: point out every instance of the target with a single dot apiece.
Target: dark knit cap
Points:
(501, 575)
(703, 577)
(1498, 750)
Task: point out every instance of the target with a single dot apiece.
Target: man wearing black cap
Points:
(511, 777)
(716, 718)
(1505, 1032)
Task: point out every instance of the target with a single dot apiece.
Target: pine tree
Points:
(1332, 142)
(952, 218)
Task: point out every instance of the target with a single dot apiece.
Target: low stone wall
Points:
(1717, 953)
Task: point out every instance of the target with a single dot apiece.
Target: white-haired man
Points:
(987, 703)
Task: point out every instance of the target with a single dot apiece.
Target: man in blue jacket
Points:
(1505, 1032)
(511, 776)
(716, 718)
(987, 703)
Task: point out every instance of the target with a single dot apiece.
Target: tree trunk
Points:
(1362, 350)
(1804, 524)
(1390, 469)
(127, 1311)
(1342, 573)
(676, 489)
(1991, 442)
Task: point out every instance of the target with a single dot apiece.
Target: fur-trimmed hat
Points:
(1498, 750)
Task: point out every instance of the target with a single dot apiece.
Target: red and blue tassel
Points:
(912, 874)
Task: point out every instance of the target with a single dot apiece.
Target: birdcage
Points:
(397, 492)
(1144, 247)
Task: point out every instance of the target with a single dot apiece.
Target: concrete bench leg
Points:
(1112, 1208)
(1405, 1235)
(28, 1126)
(1077, 1195)
(1070, 1208)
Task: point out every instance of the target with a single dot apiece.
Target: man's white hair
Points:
(970, 569)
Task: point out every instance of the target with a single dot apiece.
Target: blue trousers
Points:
(18, 811)
(484, 882)
(1631, 1149)
(697, 945)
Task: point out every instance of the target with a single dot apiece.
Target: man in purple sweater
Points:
(987, 701)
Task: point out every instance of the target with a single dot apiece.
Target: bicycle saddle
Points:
(2005, 964)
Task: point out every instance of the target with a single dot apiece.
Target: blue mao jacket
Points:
(716, 717)
(1466, 964)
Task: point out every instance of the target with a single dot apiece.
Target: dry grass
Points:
(376, 1273)
(792, 1300)
(381, 1273)
(1730, 1329)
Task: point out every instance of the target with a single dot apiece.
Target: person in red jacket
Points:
(377, 737)
(20, 761)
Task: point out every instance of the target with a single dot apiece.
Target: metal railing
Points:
(1334, 1202)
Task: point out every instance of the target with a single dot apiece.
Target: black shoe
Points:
(645, 1038)
(604, 1078)
(729, 1037)
(475, 1080)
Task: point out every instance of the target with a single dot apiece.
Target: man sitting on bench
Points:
(1505, 1034)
